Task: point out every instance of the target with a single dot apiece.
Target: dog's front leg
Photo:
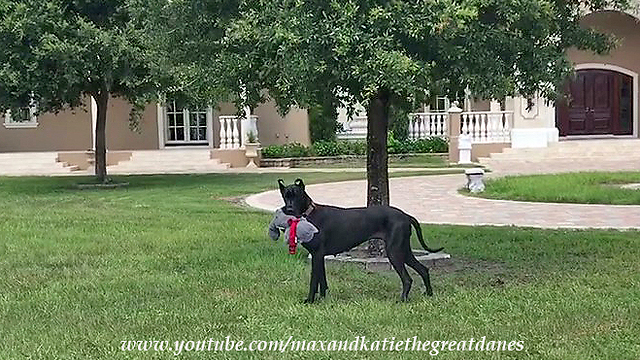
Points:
(317, 261)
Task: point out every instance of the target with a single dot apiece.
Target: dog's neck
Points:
(311, 206)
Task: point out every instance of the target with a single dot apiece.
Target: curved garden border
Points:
(435, 200)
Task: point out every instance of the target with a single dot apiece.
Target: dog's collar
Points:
(310, 209)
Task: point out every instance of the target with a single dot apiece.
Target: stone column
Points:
(453, 130)
(248, 123)
(533, 123)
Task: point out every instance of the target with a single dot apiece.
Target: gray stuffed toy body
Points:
(304, 229)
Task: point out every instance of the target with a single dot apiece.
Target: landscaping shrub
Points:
(359, 147)
(325, 148)
(431, 145)
(285, 151)
(416, 146)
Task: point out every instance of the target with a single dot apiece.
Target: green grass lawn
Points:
(582, 188)
(173, 258)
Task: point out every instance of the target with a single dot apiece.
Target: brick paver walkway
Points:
(435, 200)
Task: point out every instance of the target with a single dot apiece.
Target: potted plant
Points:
(251, 148)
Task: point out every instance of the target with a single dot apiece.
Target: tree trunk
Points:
(377, 159)
(102, 101)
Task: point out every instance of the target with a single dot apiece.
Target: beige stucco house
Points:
(216, 131)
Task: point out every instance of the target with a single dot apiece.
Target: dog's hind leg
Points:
(396, 256)
(422, 270)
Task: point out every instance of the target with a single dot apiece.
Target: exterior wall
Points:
(72, 130)
(235, 157)
(67, 131)
(84, 159)
(532, 127)
(480, 105)
(120, 137)
(273, 129)
(484, 150)
(627, 55)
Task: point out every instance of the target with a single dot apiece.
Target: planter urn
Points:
(251, 152)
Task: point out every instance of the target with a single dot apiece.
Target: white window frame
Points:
(446, 103)
(187, 126)
(10, 123)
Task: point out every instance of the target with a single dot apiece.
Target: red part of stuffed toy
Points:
(293, 225)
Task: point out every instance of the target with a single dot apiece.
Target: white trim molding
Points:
(160, 123)
(94, 122)
(632, 74)
(210, 137)
(633, 10)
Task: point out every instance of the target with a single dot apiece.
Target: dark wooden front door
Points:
(599, 103)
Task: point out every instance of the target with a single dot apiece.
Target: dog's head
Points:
(296, 200)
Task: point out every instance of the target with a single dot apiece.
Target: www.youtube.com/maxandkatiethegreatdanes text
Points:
(357, 344)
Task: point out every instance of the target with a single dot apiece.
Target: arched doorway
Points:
(600, 102)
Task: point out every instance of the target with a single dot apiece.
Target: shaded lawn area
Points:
(581, 188)
(171, 258)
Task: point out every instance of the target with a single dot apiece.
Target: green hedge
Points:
(337, 148)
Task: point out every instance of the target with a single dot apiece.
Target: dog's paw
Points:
(308, 301)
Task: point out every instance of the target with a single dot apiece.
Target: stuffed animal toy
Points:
(296, 230)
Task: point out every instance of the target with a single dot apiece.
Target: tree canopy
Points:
(57, 53)
(300, 53)
(380, 53)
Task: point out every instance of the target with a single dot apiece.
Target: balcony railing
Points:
(483, 127)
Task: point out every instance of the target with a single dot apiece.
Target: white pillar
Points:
(94, 121)
(533, 126)
(247, 124)
(210, 126)
(494, 106)
(464, 147)
(160, 123)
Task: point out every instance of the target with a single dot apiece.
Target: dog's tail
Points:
(416, 225)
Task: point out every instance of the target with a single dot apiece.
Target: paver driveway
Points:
(435, 200)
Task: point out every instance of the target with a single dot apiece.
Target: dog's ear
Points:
(281, 183)
(299, 183)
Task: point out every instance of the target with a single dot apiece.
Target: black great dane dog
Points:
(342, 229)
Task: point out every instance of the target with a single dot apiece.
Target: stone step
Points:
(34, 172)
(165, 171)
(28, 155)
(169, 161)
(553, 157)
(203, 167)
(162, 162)
(570, 149)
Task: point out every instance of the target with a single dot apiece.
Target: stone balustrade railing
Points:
(487, 127)
(424, 125)
(234, 131)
